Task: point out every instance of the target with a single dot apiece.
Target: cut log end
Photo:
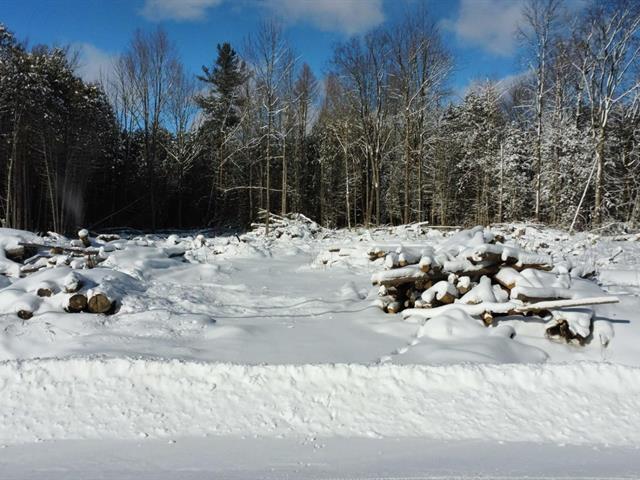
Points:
(83, 235)
(44, 292)
(99, 303)
(562, 331)
(76, 303)
(24, 314)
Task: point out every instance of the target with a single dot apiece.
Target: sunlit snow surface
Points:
(262, 337)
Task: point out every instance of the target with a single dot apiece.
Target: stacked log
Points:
(476, 272)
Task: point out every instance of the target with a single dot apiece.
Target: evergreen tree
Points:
(221, 107)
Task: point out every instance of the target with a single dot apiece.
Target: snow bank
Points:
(456, 337)
(579, 403)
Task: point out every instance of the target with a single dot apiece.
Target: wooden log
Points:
(72, 283)
(59, 249)
(535, 266)
(83, 235)
(425, 263)
(487, 318)
(523, 297)
(30, 269)
(447, 298)
(24, 314)
(487, 253)
(463, 284)
(16, 254)
(76, 303)
(423, 284)
(99, 303)
(391, 260)
(45, 289)
(399, 276)
(574, 302)
(108, 237)
(561, 330)
(511, 307)
(407, 257)
(384, 301)
(376, 252)
(394, 307)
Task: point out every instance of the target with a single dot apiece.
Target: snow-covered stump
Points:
(83, 236)
(72, 283)
(573, 325)
(45, 289)
(18, 302)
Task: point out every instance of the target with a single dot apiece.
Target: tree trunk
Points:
(283, 205)
(10, 216)
(599, 187)
(268, 202)
(407, 159)
(501, 193)
(346, 194)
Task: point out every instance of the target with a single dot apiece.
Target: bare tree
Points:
(146, 71)
(538, 35)
(610, 46)
(362, 64)
(420, 67)
(271, 59)
(183, 147)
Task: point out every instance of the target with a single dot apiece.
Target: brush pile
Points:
(291, 225)
(480, 273)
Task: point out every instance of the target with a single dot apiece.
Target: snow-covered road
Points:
(314, 458)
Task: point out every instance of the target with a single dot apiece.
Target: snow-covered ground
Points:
(227, 346)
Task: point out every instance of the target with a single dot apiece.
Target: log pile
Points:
(80, 253)
(478, 272)
(72, 293)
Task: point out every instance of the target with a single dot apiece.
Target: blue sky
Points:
(479, 33)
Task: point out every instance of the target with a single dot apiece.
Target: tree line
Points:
(378, 139)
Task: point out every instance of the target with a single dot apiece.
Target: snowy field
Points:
(260, 356)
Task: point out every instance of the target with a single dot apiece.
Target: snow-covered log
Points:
(399, 276)
(575, 324)
(83, 235)
(99, 302)
(75, 302)
(443, 291)
(45, 289)
(72, 283)
(509, 307)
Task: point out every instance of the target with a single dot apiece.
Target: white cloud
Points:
(180, 10)
(489, 24)
(348, 16)
(94, 64)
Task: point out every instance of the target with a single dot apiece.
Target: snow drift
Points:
(579, 403)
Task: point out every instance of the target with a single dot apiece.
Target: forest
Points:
(378, 138)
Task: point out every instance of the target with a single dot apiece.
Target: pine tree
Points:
(221, 107)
